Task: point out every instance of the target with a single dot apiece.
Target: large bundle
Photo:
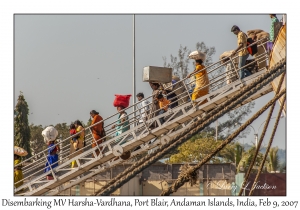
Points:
(255, 31)
(227, 54)
(196, 55)
(157, 74)
(49, 134)
(20, 151)
(260, 34)
(121, 100)
(168, 86)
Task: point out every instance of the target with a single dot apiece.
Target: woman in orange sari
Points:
(97, 130)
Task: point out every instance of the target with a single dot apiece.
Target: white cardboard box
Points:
(157, 74)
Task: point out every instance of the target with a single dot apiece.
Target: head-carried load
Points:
(121, 100)
(20, 151)
(49, 134)
(197, 55)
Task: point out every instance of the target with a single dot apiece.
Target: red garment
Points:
(72, 132)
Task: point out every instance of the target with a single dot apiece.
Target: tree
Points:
(232, 153)
(21, 125)
(89, 122)
(246, 159)
(37, 143)
(273, 160)
(283, 168)
(195, 150)
(181, 67)
(63, 133)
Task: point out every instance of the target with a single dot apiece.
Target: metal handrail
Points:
(185, 94)
(183, 80)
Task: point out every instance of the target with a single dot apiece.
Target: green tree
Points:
(273, 160)
(63, 133)
(232, 153)
(182, 66)
(89, 122)
(21, 125)
(195, 150)
(37, 143)
(246, 159)
(283, 167)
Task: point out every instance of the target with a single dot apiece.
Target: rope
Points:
(267, 77)
(276, 70)
(185, 178)
(261, 138)
(185, 135)
(269, 146)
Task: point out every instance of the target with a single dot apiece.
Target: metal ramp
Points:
(176, 120)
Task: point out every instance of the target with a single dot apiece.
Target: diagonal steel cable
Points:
(162, 153)
(261, 138)
(275, 72)
(268, 147)
(186, 175)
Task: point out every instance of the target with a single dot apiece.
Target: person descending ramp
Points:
(181, 118)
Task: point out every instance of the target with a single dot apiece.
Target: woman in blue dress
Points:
(52, 158)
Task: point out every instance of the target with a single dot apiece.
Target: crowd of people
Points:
(164, 97)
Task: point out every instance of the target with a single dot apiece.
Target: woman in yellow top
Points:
(18, 174)
(76, 149)
(201, 80)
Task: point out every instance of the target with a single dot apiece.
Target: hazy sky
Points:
(67, 65)
(52, 50)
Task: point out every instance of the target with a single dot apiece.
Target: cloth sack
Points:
(50, 133)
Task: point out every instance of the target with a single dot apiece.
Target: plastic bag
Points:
(20, 151)
(196, 55)
(49, 134)
(122, 100)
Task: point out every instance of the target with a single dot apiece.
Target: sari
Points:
(202, 83)
(74, 146)
(18, 174)
(52, 157)
(122, 127)
(98, 132)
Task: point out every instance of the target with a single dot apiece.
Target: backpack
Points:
(252, 49)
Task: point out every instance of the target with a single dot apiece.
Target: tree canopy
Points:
(21, 125)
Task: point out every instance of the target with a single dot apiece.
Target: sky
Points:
(110, 49)
(67, 65)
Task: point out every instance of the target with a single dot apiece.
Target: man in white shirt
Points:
(143, 106)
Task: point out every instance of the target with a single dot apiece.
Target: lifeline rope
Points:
(184, 178)
(269, 146)
(274, 72)
(261, 138)
(185, 135)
